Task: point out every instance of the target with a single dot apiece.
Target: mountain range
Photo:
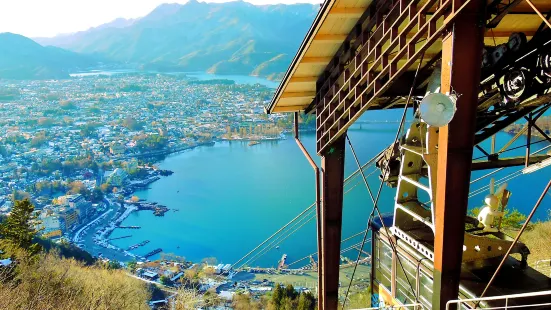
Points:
(225, 38)
(22, 58)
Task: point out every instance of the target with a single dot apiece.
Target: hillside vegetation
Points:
(226, 38)
(41, 281)
(536, 239)
(50, 282)
(22, 58)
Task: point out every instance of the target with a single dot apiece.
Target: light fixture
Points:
(537, 166)
(437, 109)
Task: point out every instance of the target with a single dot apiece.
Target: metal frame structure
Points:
(371, 70)
(455, 303)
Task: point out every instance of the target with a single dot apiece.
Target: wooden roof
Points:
(337, 18)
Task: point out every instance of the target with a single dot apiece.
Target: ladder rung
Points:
(413, 149)
(413, 214)
(413, 182)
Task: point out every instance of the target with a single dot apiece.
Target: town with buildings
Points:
(78, 148)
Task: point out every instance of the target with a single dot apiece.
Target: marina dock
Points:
(135, 246)
(122, 237)
(159, 250)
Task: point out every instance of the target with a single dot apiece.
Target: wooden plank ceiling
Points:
(335, 21)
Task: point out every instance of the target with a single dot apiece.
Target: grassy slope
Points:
(65, 284)
(537, 240)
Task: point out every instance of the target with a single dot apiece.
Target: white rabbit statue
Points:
(490, 211)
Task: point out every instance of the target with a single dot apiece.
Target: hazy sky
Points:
(46, 18)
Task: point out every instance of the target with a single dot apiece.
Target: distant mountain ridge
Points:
(22, 58)
(225, 38)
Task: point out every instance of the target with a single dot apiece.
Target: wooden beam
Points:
(316, 60)
(523, 7)
(289, 108)
(347, 12)
(304, 94)
(505, 33)
(303, 79)
(326, 37)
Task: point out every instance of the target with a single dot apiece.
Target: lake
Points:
(232, 196)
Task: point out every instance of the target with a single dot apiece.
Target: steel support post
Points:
(332, 166)
(528, 140)
(318, 206)
(461, 61)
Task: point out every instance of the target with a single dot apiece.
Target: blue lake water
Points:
(233, 196)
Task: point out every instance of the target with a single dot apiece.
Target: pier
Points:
(282, 262)
(122, 237)
(158, 210)
(129, 227)
(159, 250)
(137, 245)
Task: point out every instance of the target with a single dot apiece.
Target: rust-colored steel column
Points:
(332, 166)
(461, 62)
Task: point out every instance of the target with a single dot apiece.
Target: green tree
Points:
(212, 299)
(97, 194)
(290, 292)
(18, 230)
(164, 280)
(114, 264)
(306, 301)
(277, 296)
(132, 266)
(513, 219)
(244, 302)
(289, 304)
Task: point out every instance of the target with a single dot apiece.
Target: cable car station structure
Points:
(494, 58)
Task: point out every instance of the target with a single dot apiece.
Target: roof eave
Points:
(327, 4)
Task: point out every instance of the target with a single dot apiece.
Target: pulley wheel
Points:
(514, 85)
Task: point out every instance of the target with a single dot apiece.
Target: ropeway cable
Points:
(315, 253)
(375, 207)
(345, 182)
(504, 179)
(310, 215)
(270, 246)
(277, 232)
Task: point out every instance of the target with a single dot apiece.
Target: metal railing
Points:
(544, 266)
(416, 306)
(505, 298)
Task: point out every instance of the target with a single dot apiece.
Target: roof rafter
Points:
(303, 79)
(347, 12)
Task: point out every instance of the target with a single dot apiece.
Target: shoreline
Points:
(104, 230)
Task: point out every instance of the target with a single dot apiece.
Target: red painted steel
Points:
(461, 59)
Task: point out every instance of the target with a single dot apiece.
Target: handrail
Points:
(503, 297)
(406, 306)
